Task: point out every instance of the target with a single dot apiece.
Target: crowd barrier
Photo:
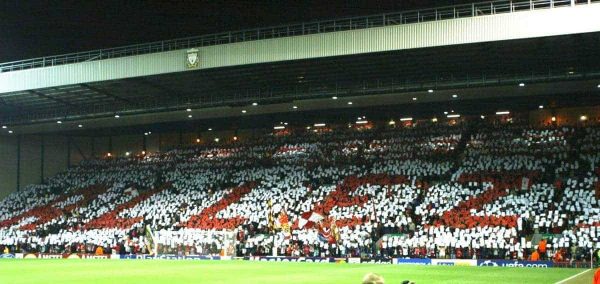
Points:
(173, 257)
(292, 259)
(575, 264)
(515, 263)
(110, 256)
(474, 262)
(319, 259)
(409, 261)
(351, 260)
(55, 256)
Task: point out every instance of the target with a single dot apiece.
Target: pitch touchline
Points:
(564, 280)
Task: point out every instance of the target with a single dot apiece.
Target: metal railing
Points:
(364, 22)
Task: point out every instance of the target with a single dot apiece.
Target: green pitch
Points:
(194, 271)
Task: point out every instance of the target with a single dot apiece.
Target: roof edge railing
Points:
(324, 26)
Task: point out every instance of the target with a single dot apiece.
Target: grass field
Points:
(171, 272)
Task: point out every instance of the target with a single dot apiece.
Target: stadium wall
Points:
(29, 159)
(565, 116)
(83, 149)
(127, 143)
(152, 143)
(171, 140)
(8, 161)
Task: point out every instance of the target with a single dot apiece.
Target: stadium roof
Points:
(306, 28)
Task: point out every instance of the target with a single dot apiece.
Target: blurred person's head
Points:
(372, 278)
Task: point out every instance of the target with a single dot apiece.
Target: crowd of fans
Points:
(462, 191)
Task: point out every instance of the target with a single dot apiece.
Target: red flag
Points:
(309, 219)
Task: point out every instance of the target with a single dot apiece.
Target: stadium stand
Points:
(471, 190)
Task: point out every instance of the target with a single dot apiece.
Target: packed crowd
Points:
(462, 191)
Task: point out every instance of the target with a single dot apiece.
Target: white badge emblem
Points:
(192, 58)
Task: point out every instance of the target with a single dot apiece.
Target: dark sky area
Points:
(39, 28)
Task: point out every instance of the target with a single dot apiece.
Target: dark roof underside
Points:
(573, 57)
